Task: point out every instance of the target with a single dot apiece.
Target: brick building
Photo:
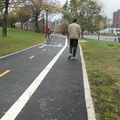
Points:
(116, 19)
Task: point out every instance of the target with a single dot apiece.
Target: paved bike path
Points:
(61, 95)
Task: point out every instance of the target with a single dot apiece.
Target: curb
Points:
(88, 97)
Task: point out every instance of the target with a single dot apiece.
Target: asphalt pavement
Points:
(41, 83)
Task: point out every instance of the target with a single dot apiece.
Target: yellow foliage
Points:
(52, 6)
(36, 6)
(20, 11)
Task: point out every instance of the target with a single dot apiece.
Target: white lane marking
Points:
(88, 98)
(15, 109)
(59, 45)
(44, 45)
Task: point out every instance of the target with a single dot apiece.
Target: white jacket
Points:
(74, 31)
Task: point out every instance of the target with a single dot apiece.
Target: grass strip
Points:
(102, 60)
(18, 40)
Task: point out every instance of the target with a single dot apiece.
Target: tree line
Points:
(88, 13)
(26, 10)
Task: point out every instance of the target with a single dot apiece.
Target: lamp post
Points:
(43, 23)
(46, 17)
(98, 33)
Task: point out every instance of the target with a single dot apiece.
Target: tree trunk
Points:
(81, 34)
(36, 24)
(4, 31)
(21, 26)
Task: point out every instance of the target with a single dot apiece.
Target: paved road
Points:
(40, 83)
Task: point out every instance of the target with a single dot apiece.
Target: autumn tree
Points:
(5, 18)
(12, 19)
(21, 14)
(37, 9)
(1, 12)
(34, 7)
(5, 4)
(1, 7)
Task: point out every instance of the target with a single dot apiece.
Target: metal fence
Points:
(104, 38)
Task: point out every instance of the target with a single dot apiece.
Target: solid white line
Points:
(88, 98)
(12, 113)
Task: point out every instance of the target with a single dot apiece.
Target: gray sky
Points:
(110, 6)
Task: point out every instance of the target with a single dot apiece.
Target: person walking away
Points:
(48, 33)
(74, 32)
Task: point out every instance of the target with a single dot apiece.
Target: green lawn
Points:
(103, 66)
(18, 40)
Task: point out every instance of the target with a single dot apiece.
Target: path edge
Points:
(88, 97)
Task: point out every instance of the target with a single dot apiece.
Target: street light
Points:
(43, 22)
(98, 33)
(46, 17)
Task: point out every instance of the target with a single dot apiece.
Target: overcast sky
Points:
(110, 6)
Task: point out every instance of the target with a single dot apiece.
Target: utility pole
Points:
(43, 23)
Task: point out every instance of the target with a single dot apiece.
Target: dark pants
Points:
(73, 46)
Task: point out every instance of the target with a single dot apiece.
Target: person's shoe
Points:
(69, 56)
(73, 58)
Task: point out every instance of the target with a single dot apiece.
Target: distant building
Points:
(116, 19)
(115, 31)
(55, 26)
